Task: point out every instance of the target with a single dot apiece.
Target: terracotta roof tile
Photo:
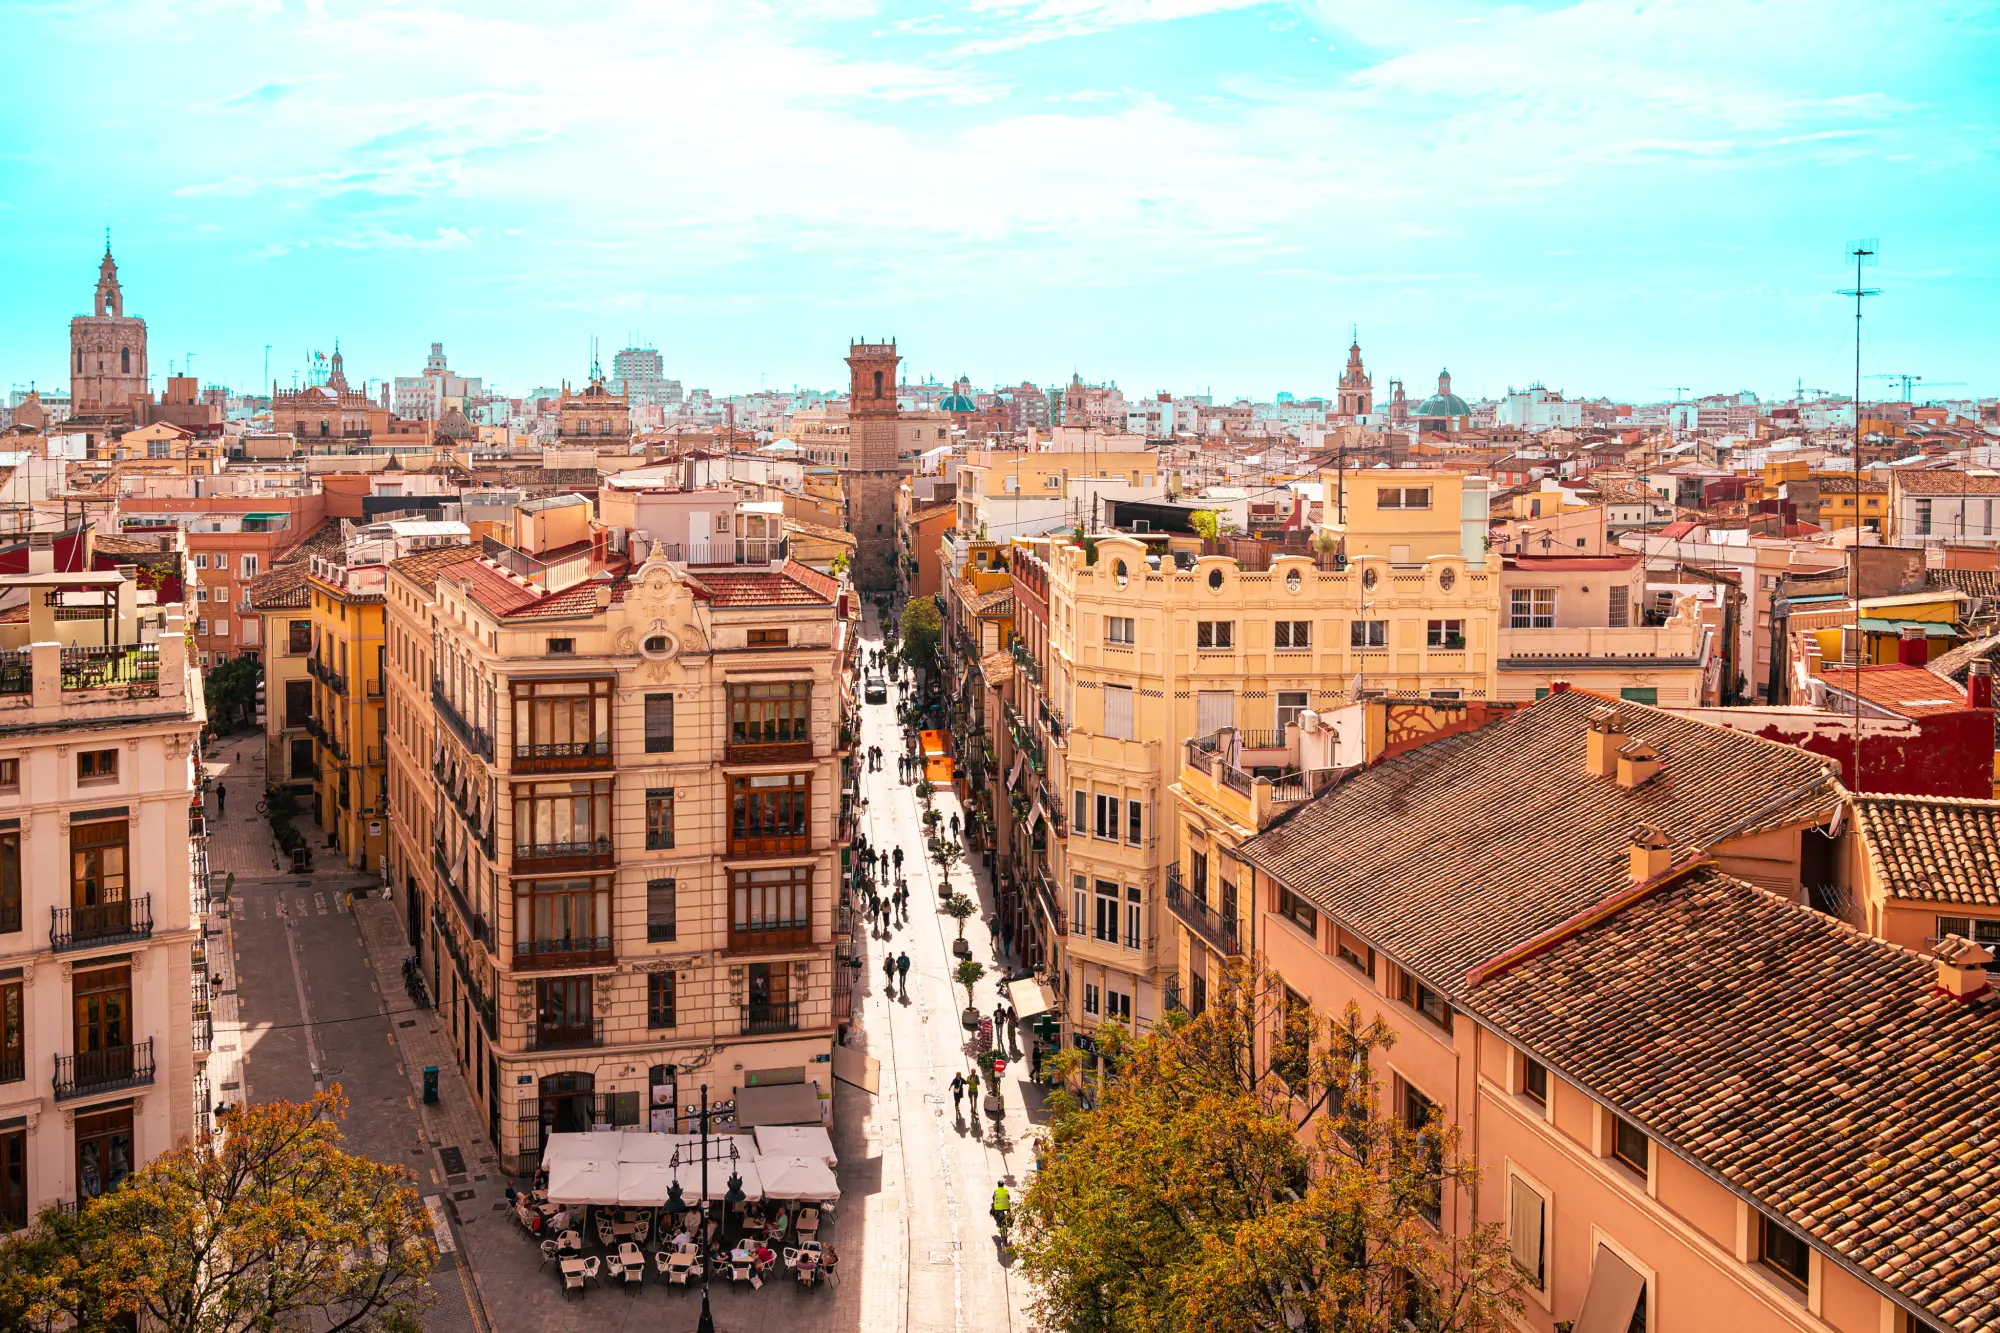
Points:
(1369, 852)
(1816, 1070)
(793, 585)
(1971, 582)
(1948, 483)
(281, 589)
(1905, 690)
(1936, 848)
(424, 567)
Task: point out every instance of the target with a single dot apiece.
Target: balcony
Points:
(90, 1072)
(567, 1038)
(771, 844)
(101, 924)
(767, 752)
(17, 671)
(552, 955)
(469, 736)
(326, 675)
(1219, 930)
(590, 854)
(136, 665)
(566, 758)
(763, 1019)
(770, 939)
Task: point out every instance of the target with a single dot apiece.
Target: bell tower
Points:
(107, 352)
(874, 462)
(1357, 390)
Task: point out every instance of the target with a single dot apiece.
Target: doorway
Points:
(568, 1103)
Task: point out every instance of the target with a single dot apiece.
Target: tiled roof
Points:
(281, 589)
(1971, 582)
(793, 585)
(424, 567)
(1563, 564)
(820, 531)
(323, 539)
(999, 602)
(1937, 848)
(1533, 838)
(1948, 483)
(1904, 690)
(1816, 1070)
(1952, 665)
(998, 668)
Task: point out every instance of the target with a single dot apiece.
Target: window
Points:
(562, 922)
(222, 625)
(559, 723)
(10, 882)
(1447, 634)
(1420, 1117)
(298, 702)
(659, 999)
(562, 819)
(1629, 1144)
(1080, 812)
(96, 765)
(770, 813)
(768, 638)
(1784, 1253)
(1215, 635)
(1090, 1000)
(1639, 694)
(1368, 634)
(13, 1034)
(1534, 1080)
(1118, 712)
(1354, 953)
(659, 818)
(1923, 517)
(103, 1151)
(1299, 912)
(1290, 704)
(200, 561)
(1107, 818)
(1292, 635)
(1117, 1005)
(770, 908)
(1132, 814)
(14, 1177)
(1079, 902)
(656, 643)
(1120, 630)
(1532, 608)
(1134, 900)
(660, 911)
(1620, 611)
(1402, 497)
(298, 637)
(1972, 928)
(774, 714)
(97, 863)
(1425, 1001)
(1527, 1213)
(1213, 710)
(562, 1012)
(247, 566)
(1104, 924)
(561, 647)
(659, 724)
(101, 1006)
(201, 593)
(10, 774)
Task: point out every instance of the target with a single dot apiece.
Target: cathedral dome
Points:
(1443, 405)
(956, 402)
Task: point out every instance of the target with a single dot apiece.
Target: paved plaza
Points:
(314, 997)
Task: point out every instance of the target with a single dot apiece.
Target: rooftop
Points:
(1948, 483)
(1934, 848)
(1818, 1071)
(1906, 691)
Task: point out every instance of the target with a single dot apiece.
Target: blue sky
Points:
(1607, 197)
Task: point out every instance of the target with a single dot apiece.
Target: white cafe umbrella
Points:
(798, 1178)
(643, 1184)
(795, 1141)
(584, 1182)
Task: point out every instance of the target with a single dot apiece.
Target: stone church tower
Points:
(107, 352)
(874, 463)
(1357, 390)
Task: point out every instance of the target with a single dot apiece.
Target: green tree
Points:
(1206, 522)
(269, 1224)
(968, 974)
(922, 633)
(230, 690)
(1189, 1197)
(841, 563)
(958, 908)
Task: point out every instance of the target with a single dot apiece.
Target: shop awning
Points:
(1029, 997)
(1035, 815)
(778, 1104)
(1014, 773)
(857, 1069)
(1931, 628)
(1615, 1292)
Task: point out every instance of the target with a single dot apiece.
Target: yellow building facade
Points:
(347, 664)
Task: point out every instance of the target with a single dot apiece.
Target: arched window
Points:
(79, 359)
(322, 426)
(125, 360)
(878, 384)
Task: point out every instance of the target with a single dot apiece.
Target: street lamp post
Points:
(730, 1199)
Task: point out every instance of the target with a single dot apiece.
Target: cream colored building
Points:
(617, 808)
(1586, 619)
(1152, 643)
(104, 1024)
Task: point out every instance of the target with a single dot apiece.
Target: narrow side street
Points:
(314, 996)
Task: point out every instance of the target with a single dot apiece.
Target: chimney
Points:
(1913, 649)
(1648, 853)
(1961, 968)
(1979, 685)
(1606, 733)
(41, 553)
(1637, 763)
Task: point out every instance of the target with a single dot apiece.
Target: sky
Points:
(1610, 197)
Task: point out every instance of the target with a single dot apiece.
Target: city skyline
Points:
(1186, 194)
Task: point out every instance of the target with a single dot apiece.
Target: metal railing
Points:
(557, 758)
(326, 675)
(563, 851)
(13, 1068)
(473, 738)
(779, 1016)
(582, 952)
(1219, 930)
(17, 671)
(101, 668)
(566, 1038)
(727, 551)
(108, 1070)
(101, 923)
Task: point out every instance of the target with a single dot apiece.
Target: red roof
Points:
(1907, 690)
(794, 585)
(1558, 564)
(1676, 531)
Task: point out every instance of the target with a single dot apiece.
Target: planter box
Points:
(962, 947)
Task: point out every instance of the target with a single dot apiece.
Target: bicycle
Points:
(263, 807)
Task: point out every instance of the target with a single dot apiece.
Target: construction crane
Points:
(1678, 389)
(1908, 381)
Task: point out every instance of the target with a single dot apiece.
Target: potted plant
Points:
(944, 852)
(958, 909)
(991, 1062)
(968, 974)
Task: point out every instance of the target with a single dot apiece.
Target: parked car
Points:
(875, 690)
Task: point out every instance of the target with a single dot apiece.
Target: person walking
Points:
(220, 796)
(957, 1095)
(1013, 1029)
(903, 972)
(999, 1023)
(889, 971)
(897, 857)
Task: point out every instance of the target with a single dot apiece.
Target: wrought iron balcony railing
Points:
(101, 923)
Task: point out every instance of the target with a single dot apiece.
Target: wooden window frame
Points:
(770, 814)
(770, 908)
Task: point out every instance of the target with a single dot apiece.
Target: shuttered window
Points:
(1525, 1215)
(1213, 710)
(1118, 712)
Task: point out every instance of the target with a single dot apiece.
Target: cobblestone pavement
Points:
(917, 1247)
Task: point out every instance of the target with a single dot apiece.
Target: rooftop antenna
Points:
(1866, 253)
